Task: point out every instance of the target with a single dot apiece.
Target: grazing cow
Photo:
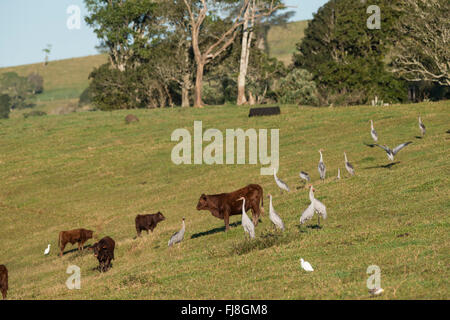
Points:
(224, 205)
(77, 235)
(148, 222)
(3, 280)
(104, 252)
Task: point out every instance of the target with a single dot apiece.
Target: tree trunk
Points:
(198, 102)
(241, 98)
(251, 98)
(185, 87)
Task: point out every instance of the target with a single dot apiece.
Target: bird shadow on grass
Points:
(370, 145)
(418, 137)
(385, 166)
(215, 230)
(303, 229)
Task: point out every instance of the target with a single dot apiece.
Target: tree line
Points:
(197, 52)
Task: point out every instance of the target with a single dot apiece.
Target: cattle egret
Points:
(339, 174)
(177, 236)
(305, 176)
(315, 206)
(376, 291)
(280, 183)
(273, 215)
(373, 133)
(47, 251)
(391, 153)
(421, 127)
(322, 169)
(247, 224)
(306, 265)
(349, 166)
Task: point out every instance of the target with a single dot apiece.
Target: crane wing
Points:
(400, 147)
(382, 147)
(320, 208)
(307, 214)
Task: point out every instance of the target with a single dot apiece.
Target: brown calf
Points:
(3, 280)
(148, 222)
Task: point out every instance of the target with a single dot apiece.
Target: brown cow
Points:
(104, 252)
(224, 205)
(77, 235)
(148, 222)
(3, 280)
(131, 118)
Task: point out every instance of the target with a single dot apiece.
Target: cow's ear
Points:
(203, 196)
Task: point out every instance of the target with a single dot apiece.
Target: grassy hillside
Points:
(91, 170)
(283, 40)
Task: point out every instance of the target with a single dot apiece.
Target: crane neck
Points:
(311, 194)
(321, 157)
(345, 155)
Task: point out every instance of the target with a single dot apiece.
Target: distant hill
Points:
(66, 79)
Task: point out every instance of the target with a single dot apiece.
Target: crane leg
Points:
(318, 221)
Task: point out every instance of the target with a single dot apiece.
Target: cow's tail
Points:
(262, 201)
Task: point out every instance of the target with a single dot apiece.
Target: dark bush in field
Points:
(85, 98)
(5, 101)
(34, 113)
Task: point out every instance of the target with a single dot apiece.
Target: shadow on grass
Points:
(215, 230)
(85, 251)
(418, 137)
(265, 240)
(370, 145)
(386, 166)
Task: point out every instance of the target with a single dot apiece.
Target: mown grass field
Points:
(91, 170)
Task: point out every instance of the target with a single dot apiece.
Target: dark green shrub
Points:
(298, 88)
(5, 106)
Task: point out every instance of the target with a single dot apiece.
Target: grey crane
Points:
(349, 166)
(177, 236)
(322, 169)
(280, 183)
(391, 153)
(273, 215)
(305, 176)
(373, 133)
(421, 126)
(247, 224)
(315, 206)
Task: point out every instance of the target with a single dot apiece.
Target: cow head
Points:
(89, 234)
(97, 248)
(202, 202)
(160, 216)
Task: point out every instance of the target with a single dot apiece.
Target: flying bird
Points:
(421, 127)
(391, 153)
(282, 185)
(247, 224)
(273, 215)
(322, 169)
(373, 133)
(315, 206)
(47, 251)
(177, 236)
(306, 265)
(349, 166)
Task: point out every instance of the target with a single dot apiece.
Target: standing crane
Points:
(273, 215)
(349, 166)
(177, 236)
(421, 126)
(280, 183)
(322, 169)
(315, 206)
(373, 133)
(247, 224)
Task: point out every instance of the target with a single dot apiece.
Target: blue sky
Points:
(27, 26)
